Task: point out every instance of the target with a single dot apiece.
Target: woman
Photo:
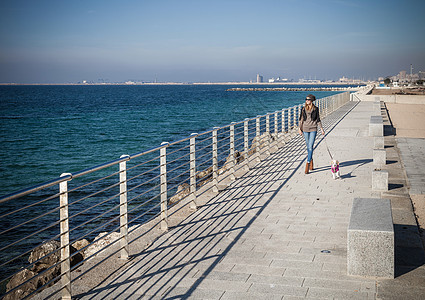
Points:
(309, 121)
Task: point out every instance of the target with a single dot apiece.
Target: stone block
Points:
(378, 142)
(376, 126)
(376, 119)
(379, 180)
(377, 107)
(379, 158)
(370, 244)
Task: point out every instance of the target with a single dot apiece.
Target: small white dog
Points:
(335, 169)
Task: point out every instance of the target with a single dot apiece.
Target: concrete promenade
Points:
(276, 233)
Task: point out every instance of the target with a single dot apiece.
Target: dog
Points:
(335, 169)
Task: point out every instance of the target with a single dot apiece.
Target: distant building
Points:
(271, 80)
(402, 76)
(259, 78)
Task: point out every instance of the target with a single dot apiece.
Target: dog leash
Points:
(324, 138)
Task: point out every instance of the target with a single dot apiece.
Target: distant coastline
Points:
(192, 83)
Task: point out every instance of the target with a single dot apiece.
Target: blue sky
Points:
(60, 41)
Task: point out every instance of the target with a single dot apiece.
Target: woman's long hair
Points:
(309, 107)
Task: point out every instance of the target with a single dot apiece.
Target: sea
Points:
(47, 130)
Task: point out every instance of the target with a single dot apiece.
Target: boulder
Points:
(205, 173)
(43, 258)
(101, 241)
(44, 253)
(25, 289)
(80, 244)
(76, 247)
(183, 190)
(228, 163)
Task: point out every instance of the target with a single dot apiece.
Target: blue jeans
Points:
(309, 140)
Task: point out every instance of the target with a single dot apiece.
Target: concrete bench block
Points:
(378, 142)
(379, 158)
(376, 126)
(377, 108)
(376, 119)
(379, 180)
(370, 244)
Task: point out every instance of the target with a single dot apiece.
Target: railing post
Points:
(268, 134)
(298, 115)
(215, 160)
(293, 117)
(283, 120)
(232, 151)
(320, 108)
(193, 204)
(276, 133)
(257, 140)
(288, 119)
(327, 106)
(246, 143)
(163, 180)
(123, 209)
(64, 238)
(324, 107)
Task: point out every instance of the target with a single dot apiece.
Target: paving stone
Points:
(276, 280)
(278, 289)
(229, 295)
(321, 293)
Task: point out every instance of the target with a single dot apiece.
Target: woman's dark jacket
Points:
(314, 114)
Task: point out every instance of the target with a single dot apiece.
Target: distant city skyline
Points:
(51, 41)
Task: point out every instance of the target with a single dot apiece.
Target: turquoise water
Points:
(48, 130)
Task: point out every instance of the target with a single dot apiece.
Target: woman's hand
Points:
(323, 132)
(300, 131)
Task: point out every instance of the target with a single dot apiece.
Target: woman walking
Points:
(309, 121)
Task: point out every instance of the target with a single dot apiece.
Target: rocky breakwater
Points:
(205, 176)
(298, 89)
(45, 267)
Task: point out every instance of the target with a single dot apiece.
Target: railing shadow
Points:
(206, 236)
(177, 264)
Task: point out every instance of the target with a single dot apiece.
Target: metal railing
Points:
(101, 202)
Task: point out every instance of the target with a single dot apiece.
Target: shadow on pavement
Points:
(409, 254)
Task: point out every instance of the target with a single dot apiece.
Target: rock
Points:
(183, 190)
(100, 243)
(24, 290)
(228, 164)
(80, 244)
(205, 173)
(76, 247)
(43, 258)
(45, 255)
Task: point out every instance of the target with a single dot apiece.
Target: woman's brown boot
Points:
(311, 165)
(307, 167)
